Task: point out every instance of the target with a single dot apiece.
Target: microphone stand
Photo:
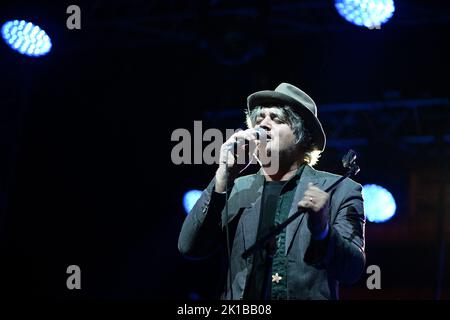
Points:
(348, 161)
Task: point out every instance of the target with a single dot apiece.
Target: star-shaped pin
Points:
(276, 278)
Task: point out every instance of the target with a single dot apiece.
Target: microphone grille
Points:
(260, 133)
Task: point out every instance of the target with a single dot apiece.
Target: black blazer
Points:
(314, 268)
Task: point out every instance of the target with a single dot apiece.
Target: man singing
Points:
(311, 256)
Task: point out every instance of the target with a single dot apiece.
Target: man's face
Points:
(280, 136)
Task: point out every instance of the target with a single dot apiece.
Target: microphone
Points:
(260, 134)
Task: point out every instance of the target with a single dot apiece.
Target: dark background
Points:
(86, 176)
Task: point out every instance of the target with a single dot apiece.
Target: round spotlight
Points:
(379, 204)
(367, 13)
(26, 38)
(190, 198)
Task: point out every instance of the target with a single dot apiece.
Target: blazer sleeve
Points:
(203, 229)
(342, 251)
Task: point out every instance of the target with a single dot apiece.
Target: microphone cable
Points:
(227, 230)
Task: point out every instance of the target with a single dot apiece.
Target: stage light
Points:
(379, 204)
(26, 38)
(367, 13)
(190, 198)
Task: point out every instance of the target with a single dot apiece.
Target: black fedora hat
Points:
(289, 95)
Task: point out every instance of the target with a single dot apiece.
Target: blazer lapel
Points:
(308, 175)
(252, 200)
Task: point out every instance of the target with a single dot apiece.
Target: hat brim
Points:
(268, 97)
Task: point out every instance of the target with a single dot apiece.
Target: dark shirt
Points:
(276, 203)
